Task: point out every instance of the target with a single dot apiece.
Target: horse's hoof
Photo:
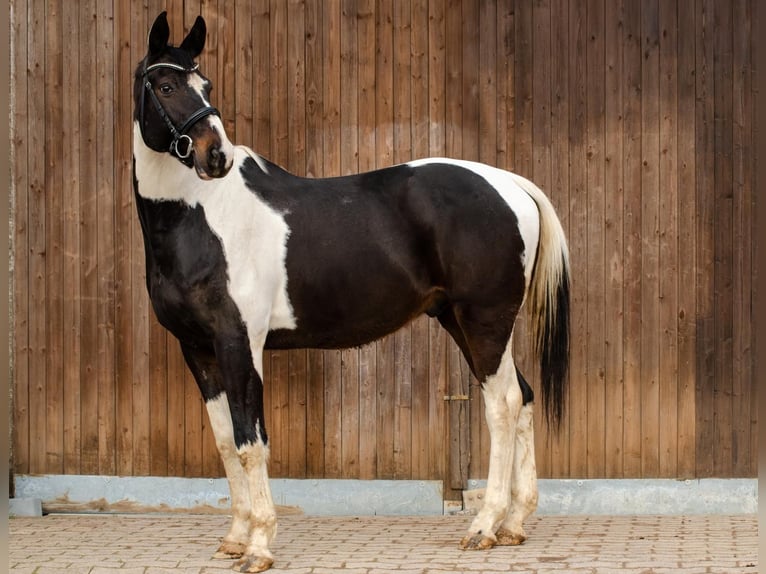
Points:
(252, 563)
(229, 550)
(508, 538)
(477, 542)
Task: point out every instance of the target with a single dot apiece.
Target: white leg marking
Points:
(236, 540)
(524, 493)
(263, 516)
(502, 400)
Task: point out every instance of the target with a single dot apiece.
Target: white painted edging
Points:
(645, 496)
(324, 497)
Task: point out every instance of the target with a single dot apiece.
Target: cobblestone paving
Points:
(155, 544)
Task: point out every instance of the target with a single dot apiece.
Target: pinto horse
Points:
(242, 256)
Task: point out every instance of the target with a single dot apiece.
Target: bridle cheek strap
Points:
(181, 146)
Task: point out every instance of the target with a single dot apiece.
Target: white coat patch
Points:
(253, 235)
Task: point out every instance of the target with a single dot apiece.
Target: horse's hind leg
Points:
(503, 403)
(524, 478)
(205, 369)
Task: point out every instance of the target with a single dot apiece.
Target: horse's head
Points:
(172, 106)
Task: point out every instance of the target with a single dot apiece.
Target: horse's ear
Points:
(195, 39)
(159, 34)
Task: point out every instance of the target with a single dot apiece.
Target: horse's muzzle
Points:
(213, 161)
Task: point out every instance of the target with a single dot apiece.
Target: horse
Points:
(242, 256)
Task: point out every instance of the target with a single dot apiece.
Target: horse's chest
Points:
(186, 277)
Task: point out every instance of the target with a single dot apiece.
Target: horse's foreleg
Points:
(241, 362)
(502, 401)
(263, 517)
(523, 483)
(204, 366)
(235, 541)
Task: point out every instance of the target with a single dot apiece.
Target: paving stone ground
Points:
(163, 544)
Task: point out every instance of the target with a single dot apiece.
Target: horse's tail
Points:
(548, 302)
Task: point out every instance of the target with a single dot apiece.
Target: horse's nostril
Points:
(216, 159)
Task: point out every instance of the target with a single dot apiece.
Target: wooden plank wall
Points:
(635, 117)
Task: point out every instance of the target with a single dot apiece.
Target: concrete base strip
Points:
(330, 497)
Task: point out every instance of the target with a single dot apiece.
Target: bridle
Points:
(180, 137)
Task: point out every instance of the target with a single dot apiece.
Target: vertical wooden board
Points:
(250, 18)
(315, 416)
(295, 438)
(687, 239)
(71, 315)
(349, 414)
(89, 281)
(541, 167)
(578, 247)
(381, 88)
(453, 55)
(333, 465)
(505, 72)
(705, 158)
(722, 230)
(144, 324)
(596, 274)
(469, 121)
(314, 89)
(175, 415)
(157, 398)
(420, 79)
(436, 77)
(54, 393)
(56, 186)
(403, 419)
(743, 341)
(210, 56)
(420, 397)
(438, 435)
(632, 240)
(278, 46)
(458, 385)
(72, 351)
(402, 81)
(36, 234)
(225, 95)
(613, 243)
(756, 43)
(650, 260)
(558, 443)
(113, 290)
(488, 82)
(368, 419)
(668, 241)
(21, 252)
(192, 417)
(131, 327)
(278, 416)
(349, 85)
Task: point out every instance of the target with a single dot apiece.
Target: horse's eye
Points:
(166, 89)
